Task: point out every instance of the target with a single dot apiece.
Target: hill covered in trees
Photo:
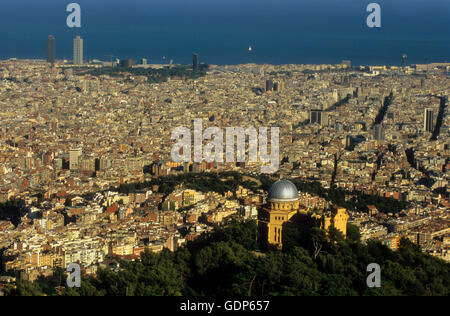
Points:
(228, 262)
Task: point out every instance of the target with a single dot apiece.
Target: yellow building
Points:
(283, 207)
(188, 198)
(337, 218)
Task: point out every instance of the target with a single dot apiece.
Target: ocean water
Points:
(279, 31)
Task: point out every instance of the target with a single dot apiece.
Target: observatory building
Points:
(283, 209)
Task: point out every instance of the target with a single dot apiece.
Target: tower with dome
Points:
(283, 208)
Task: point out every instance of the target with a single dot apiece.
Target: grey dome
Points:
(283, 191)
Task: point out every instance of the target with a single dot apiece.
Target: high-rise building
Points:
(428, 120)
(378, 131)
(78, 51)
(51, 55)
(280, 86)
(269, 85)
(195, 62)
(75, 154)
(317, 117)
(404, 58)
(349, 142)
(277, 87)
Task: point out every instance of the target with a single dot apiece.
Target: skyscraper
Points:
(378, 131)
(78, 51)
(195, 62)
(318, 117)
(51, 55)
(404, 58)
(428, 120)
(269, 85)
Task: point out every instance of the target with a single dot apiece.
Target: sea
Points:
(222, 31)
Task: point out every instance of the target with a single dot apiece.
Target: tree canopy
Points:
(227, 262)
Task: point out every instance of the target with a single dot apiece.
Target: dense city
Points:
(86, 149)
